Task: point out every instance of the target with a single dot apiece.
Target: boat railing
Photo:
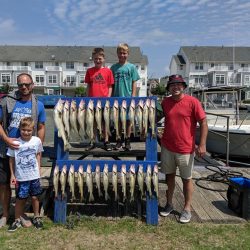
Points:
(226, 137)
(244, 119)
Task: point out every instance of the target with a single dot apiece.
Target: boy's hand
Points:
(13, 181)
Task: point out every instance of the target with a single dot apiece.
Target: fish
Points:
(98, 117)
(58, 113)
(90, 120)
(139, 116)
(106, 181)
(106, 116)
(155, 180)
(81, 114)
(132, 176)
(115, 180)
(63, 179)
(123, 117)
(151, 117)
(140, 179)
(131, 115)
(56, 180)
(80, 181)
(115, 113)
(89, 182)
(71, 181)
(73, 117)
(145, 117)
(123, 180)
(65, 118)
(98, 180)
(148, 180)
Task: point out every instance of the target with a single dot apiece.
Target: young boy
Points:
(25, 163)
(100, 82)
(125, 75)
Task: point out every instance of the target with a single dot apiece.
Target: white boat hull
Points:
(239, 139)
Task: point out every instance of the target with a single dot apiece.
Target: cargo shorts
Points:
(170, 161)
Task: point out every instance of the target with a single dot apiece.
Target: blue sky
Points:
(159, 27)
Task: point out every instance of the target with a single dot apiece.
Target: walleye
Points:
(106, 115)
(71, 181)
(80, 181)
(115, 112)
(81, 118)
(131, 115)
(123, 181)
(98, 180)
(151, 117)
(114, 180)
(132, 182)
(123, 117)
(155, 180)
(66, 118)
(63, 178)
(73, 117)
(56, 180)
(106, 181)
(98, 117)
(140, 179)
(58, 110)
(139, 116)
(89, 181)
(148, 180)
(90, 120)
(145, 117)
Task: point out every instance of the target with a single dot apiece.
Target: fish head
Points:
(89, 170)
(156, 169)
(64, 169)
(124, 104)
(59, 106)
(132, 169)
(107, 104)
(116, 104)
(123, 169)
(91, 105)
(152, 103)
(82, 104)
(72, 169)
(56, 170)
(80, 169)
(140, 104)
(106, 168)
(99, 104)
(149, 169)
(114, 168)
(97, 169)
(147, 103)
(73, 105)
(140, 170)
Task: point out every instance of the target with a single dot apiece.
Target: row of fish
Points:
(80, 120)
(150, 179)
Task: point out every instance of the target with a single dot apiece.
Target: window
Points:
(243, 65)
(39, 65)
(55, 64)
(247, 80)
(212, 65)
(5, 78)
(198, 66)
(40, 79)
(142, 67)
(24, 63)
(230, 66)
(70, 80)
(7, 63)
(52, 79)
(198, 79)
(50, 91)
(85, 64)
(81, 78)
(181, 67)
(247, 95)
(70, 65)
(220, 79)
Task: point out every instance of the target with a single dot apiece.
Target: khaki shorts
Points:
(170, 161)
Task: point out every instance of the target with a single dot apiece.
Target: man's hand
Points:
(200, 151)
(12, 143)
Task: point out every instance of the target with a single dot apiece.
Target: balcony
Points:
(82, 69)
(53, 68)
(15, 68)
(219, 68)
(68, 85)
(246, 69)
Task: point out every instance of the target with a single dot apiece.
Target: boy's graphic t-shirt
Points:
(26, 165)
(124, 76)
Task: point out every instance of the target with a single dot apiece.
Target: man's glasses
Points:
(27, 85)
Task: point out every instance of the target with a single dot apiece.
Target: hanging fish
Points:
(81, 115)
(98, 180)
(123, 180)
(139, 116)
(106, 181)
(115, 180)
(71, 181)
(132, 176)
(73, 117)
(123, 116)
(56, 180)
(90, 121)
(131, 115)
(140, 179)
(115, 112)
(63, 180)
(98, 117)
(148, 180)
(80, 181)
(106, 115)
(145, 117)
(156, 180)
(66, 108)
(151, 117)
(89, 182)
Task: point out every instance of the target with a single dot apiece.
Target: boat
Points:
(228, 132)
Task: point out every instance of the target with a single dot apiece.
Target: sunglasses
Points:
(27, 85)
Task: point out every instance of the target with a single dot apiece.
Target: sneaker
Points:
(127, 145)
(185, 216)
(90, 147)
(118, 144)
(107, 146)
(167, 210)
(25, 221)
(3, 222)
(37, 223)
(15, 225)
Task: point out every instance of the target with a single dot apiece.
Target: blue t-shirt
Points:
(124, 76)
(22, 109)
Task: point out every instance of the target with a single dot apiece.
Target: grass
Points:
(128, 233)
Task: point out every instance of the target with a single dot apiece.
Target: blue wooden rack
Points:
(62, 158)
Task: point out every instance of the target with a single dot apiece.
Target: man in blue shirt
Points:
(13, 108)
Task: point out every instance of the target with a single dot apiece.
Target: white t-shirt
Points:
(26, 165)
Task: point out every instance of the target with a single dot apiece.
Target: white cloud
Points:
(7, 25)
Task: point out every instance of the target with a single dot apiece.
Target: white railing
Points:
(82, 69)
(218, 68)
(53, 68)
(16, 68)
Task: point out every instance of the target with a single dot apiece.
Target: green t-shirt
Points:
(124, 76)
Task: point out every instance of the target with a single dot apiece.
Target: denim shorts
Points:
(24, 189)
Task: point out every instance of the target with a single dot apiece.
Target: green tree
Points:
(159, 90)
(80, 91)
(5, 89)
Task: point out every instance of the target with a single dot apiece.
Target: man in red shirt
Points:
(182, 112)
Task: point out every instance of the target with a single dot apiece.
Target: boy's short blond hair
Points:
(98, 51)
(122, 46)
(26, 122)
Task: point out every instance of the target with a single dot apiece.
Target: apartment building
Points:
(213, 66)
(60, 69)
